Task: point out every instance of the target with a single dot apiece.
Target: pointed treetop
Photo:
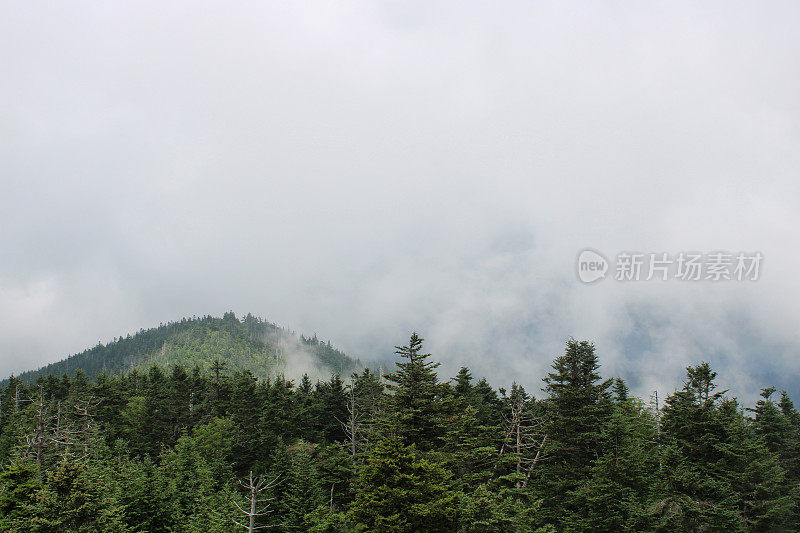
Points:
(620, 390)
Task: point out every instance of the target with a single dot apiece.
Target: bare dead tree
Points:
(86, 422)
(258, 506)
(363, 411)
(655, 407)
(354, 426)
(73, 439)
(535, 460)
(523, 434)
(57, 430)
(54, 433)
(38, 440)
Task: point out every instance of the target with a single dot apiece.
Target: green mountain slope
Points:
(249, 344)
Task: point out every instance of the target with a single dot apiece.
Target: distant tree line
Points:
(249, 344)
(204, 449)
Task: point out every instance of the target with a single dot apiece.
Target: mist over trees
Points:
(206, 448)
(251, 343)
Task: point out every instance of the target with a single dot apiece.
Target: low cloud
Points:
(363, 171)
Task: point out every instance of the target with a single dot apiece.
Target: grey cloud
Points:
(363, 170)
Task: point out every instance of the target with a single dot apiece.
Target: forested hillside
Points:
(250, 344)
(179, 449)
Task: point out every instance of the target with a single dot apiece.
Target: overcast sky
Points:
(365, 170)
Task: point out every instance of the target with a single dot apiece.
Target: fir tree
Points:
(19, 485)
(77, 497)
(416, 402)
(402, 490)
(578, 410)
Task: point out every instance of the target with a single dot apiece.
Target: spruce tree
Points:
(147, 503)
(463, 384)
(302, 490)
(417, 397)
(77, 497)
(578, 409)
(403, 490)
(718, 470)
(616, 496)
(20, 484)
(245, 407)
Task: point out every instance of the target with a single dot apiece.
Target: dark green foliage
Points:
(622, 478)
(162, 448)
(471, 447)
(717, 466)
(578, 407)
(417, 400)
(486, 510)
(578, 411)
(250, 344)
(77, 497)
(401, 489)
(20, 485)
(303, 491)
(11, 416)
(329, 408)
(144, 496)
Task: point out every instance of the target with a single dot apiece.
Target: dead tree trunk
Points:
(523, 435)
(657, 416)
(354, 427)
(86, 427)
(258, 506)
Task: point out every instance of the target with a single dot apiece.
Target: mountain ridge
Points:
(251, 344)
